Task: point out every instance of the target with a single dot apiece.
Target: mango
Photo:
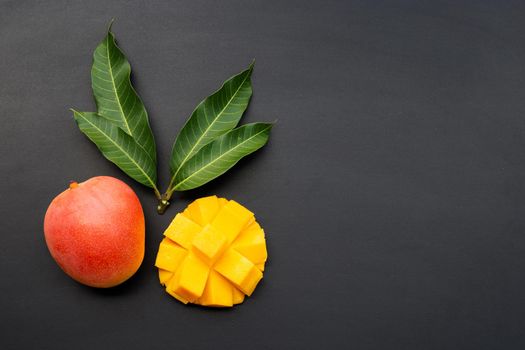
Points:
(190, 279)
(182, 230)
(239, 270)
(231, 219)
(164, 276)
(95, 231)
(218, 291)
(209, 244)
(203, 210)
(171, 255)
(251, 244)
(213, 253)
(238, 296)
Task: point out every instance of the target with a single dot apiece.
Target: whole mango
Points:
(95, 231)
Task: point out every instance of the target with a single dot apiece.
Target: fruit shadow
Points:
(207, 309)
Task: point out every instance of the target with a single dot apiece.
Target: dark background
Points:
(392, 190)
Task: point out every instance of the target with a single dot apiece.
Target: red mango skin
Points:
(95, 231)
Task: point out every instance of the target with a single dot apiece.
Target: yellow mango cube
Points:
(239, 270)
(218, 291)
(209, 244)
(170, 255)
(164, 276)
(230, 219)
(238, 296)
(190, 279)
(222, 202)
(251, 244)
(182, 230)
(249, 222)
(203, 210)
(172, 283)
(176, 296)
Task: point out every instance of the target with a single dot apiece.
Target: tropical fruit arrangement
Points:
(214, 252)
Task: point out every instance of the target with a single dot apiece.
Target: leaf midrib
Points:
(115, 88)
(123, 115)
(208, 128)
(221, 156)
(120, 148)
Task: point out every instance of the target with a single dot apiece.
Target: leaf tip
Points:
(111, 24)
(76, 115)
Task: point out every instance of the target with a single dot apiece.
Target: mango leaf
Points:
(116, 99)
(217, 157)
(214, 116)
(118, 147)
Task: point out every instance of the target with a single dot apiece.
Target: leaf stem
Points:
(157, 193)
(169, 191)
(163, 203)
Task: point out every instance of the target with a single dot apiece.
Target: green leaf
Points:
(216, 115)
(217, 157)
(116, 99)
(118, 147)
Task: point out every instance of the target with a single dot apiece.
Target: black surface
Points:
(392, 190)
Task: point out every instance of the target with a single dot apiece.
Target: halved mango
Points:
(213, 253)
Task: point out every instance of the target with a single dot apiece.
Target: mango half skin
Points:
(95, 231)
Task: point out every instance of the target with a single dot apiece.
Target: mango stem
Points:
(163, 203)
(73, 184)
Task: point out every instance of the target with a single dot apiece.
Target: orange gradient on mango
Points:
(95, 231)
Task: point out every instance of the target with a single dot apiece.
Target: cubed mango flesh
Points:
(218, 291)
(222, 202)
(213, 253)
(209, 244)
(170, 255)
(182, 230)
(251, 244)
(230, 219)
(239, 270)
(206, 209)
(172, 284)
(190, 279)
(164, 276)
(176, 296)
(238, 296)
